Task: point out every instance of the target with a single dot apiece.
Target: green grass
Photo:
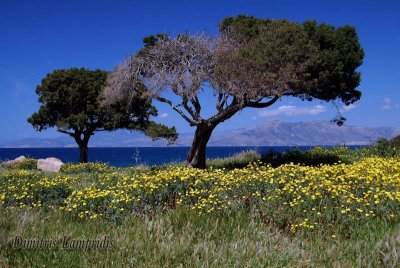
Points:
(29, 164)
(182, 238)
(238, 160)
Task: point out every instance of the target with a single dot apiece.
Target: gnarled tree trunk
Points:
(83, 147)
(197, 153)
(83, 153)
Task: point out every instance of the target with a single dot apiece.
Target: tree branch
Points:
(236, 106)
(262, 104)
(232, 109)
(196, 104)
(222, 98)
(189, 109)
(161, 99)
(72, 134)
(100, 129)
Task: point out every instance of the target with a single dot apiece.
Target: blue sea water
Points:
(123, 157)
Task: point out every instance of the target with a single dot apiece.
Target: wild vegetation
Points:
(340, 213)
(70, 101)
(318, 208)
(252, 63)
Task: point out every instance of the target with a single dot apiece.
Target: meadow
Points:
(320, 208)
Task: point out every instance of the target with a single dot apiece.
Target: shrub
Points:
(20, 188)
(313, 157)
(96, 167)
(386, 148)
(238, 160)
(29, 163)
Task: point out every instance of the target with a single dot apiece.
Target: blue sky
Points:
(40, 36)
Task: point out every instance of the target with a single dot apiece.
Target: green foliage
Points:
(247, 26)
(71, 101)
(239, 160)
(341, 154)
(280, 54)
(157, 131)
(38, 189)
(386, 148)
(29, 163)
(338, 54)
(71, 168)
(317, 156)
(313, 157)
(152, 40)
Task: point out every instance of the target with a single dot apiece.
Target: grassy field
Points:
(247, 211)
(182, 238)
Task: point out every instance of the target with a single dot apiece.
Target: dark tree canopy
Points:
(71, 102)
(337, 56)
(251, 63)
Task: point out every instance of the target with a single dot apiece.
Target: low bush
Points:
(97, 167)
(29, 164)
(313, 157)
(238, 160)
(340, 154)
(386, 148)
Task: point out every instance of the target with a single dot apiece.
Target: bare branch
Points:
(187, 64)
(170, 103)
(235, 106)
(189, 109)
(196, 104)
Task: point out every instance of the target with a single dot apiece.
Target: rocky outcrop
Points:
(50, 164)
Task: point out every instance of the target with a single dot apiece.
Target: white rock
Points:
(16, 160)
(49, 164)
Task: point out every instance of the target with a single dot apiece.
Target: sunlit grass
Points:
(182, 238)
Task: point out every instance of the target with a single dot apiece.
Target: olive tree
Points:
(252, 63)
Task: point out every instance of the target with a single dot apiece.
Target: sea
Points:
(125, 157)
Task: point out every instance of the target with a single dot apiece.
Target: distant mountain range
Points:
(274, 133)
(269, 133)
